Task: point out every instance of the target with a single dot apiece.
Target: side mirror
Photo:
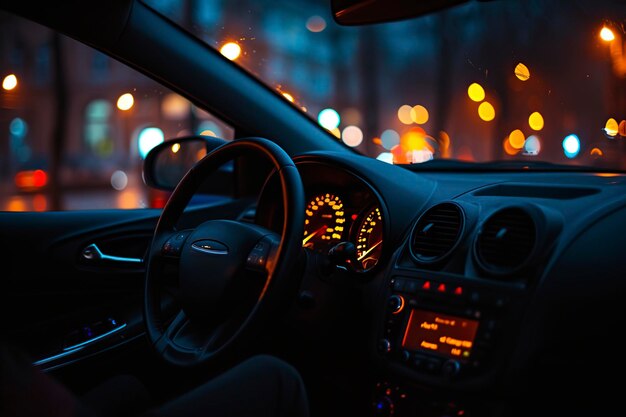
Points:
(167, 163)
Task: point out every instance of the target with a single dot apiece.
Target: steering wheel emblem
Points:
(212, 247)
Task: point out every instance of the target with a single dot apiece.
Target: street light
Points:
(9, 82)
(607, 34)
(231, 50)
(125, 101)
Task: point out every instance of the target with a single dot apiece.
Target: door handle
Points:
(93, 253)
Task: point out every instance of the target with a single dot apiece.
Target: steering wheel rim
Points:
(281, 254)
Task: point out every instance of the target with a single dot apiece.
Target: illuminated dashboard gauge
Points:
(369, 238)
(324, 221)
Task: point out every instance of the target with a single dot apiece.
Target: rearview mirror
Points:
(167, 163)
(361, 12)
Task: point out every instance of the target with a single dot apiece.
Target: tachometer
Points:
(369, 238)
(324, 222)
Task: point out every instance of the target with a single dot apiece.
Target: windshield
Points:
(501, 80)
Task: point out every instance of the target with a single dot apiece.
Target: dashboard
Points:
(475, 284)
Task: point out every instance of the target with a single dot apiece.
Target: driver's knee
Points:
(278, 378)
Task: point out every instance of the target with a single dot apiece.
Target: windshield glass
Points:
(501, 80)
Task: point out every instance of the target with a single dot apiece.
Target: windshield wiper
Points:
(505, 166)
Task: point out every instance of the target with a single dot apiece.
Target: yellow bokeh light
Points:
(476, 92)
(508, 148)
(231, 50)
(336, 132)
(125, 101)
(517, 139)
(486, 111)
(404, 114)
(288, 97)
(607, 34)
(419, 114)
(535, 121)
(611, 128)
(596, 152)
(414, 140)
(522, 72)
(175, 147)
(9, 82)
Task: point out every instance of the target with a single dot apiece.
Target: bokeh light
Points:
(231, 50)
(316, 24)
(329, 119)
(404, 114)
(607, 34)
(517, 139)
(611, 127)
(336, 132)
(597, 152)
(621, 130)
(125, 101)
(149, 138)
(18, 127)
(119, 180)
(419, 114)
(385, 157)
(532, 146)
(535, 121)
(289, 97)
(390, 138)
(486, 111)
(176, 147)
(175, 107)
(9, 82)
(522, 72)
(510, 150)
(571, 145)
(476, 92)
(352, 136)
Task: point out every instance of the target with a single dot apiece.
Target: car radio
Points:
(438, 328)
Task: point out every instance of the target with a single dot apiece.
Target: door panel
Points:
(59, 305)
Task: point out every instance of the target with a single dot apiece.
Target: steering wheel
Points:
(230, 273)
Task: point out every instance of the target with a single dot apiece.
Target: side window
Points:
(75, 124)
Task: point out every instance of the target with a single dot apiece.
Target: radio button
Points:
(395, 304)
(411, 286)
(384, 346)
(451, 368)
(406, 356)
(398, 284)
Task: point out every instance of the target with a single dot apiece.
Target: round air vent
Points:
(506, 240)
(436, 233)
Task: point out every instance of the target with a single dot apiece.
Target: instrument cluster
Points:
(331, 218)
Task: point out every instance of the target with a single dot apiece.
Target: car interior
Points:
(437, 289)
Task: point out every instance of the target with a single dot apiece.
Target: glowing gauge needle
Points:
(306, 239)
(369, 250)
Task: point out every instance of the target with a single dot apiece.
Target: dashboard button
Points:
(451, 368)
(384, 346)
(395, 304)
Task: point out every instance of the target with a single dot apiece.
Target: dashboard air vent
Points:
(436, 233)
(506, 240)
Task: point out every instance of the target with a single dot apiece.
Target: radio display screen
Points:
(442, 334)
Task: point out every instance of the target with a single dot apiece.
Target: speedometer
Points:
(369, 238)
(324, 221)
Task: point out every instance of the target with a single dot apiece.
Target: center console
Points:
(440, 330)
